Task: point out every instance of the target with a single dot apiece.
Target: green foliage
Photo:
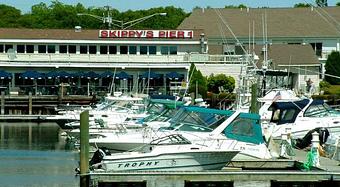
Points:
(63, 16)
(298, 5)
(324, 85)
(9, 16)
(197, 80)
(333, 67)
(216, 82)
(239, 6)
(338, 4)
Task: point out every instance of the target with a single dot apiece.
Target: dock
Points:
(259, 173)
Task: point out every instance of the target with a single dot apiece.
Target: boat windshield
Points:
(187, 127)
(199, 116)
(321, 110)
(172, 139)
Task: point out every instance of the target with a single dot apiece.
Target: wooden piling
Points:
(30, 103)
(254, 105)
(2, 103)
(84, 149)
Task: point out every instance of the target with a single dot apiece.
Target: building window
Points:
(173, 50)
(72, 49)
(143, 50)
(8, 47)
(164, 50)
(112, 49)
(20, 48)
(29, 48)
(51, 49)
(93, 49)
(123, 49)
(317, 48)
(1, 48)
(152, 50)
(83, 49)
(132, 49)
(103, 49)
(41, 48)
(62, 48)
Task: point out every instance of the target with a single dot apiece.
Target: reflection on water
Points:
(34, 154)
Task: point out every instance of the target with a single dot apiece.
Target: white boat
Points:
(299, 117)
(229, 129)
(169, 153)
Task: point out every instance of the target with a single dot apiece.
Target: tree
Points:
(220, 82)
(333, 67)
(9, 16)
(233, 6)
(298, 5)
(62, 16)
(197, 81)
(338, 4)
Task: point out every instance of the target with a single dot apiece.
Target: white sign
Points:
(146, 34)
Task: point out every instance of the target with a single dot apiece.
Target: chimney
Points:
(202, 43)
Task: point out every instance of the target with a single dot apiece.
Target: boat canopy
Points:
(246, 127)
(200, 116)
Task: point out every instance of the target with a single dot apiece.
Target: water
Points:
(34, 155)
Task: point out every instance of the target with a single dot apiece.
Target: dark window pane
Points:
(164, 50)
(29, 48)
(20, 48)
(92, 49)
(1, 48)
(143, 50)
(173, 50)
(123, 49)
(133, 50)
(51, 48)
(41, 48)
(8, 47)
(113, 49)
(83, 49)
(63, 49)
(103, 49)
(72, 49)
(152, 50)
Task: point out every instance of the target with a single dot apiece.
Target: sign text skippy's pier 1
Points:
(146, 34)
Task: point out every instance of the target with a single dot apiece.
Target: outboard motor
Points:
(307, 139)
(97, 157)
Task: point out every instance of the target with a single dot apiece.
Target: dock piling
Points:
(2, 103)
(84, 149)
(30, 103)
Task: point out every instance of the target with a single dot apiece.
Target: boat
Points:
(169, 153)
(241, 131)
(300, 117)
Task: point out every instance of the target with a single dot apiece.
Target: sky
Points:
(187, 5)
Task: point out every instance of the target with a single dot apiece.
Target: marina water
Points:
(35, 154)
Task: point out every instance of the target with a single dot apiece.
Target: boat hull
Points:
(183, 161)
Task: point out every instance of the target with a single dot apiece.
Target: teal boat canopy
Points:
(247, 128)
(208, 110)
(172, 104)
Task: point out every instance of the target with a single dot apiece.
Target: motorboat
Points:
(241, 131)
(300, 117)
(169, 153)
